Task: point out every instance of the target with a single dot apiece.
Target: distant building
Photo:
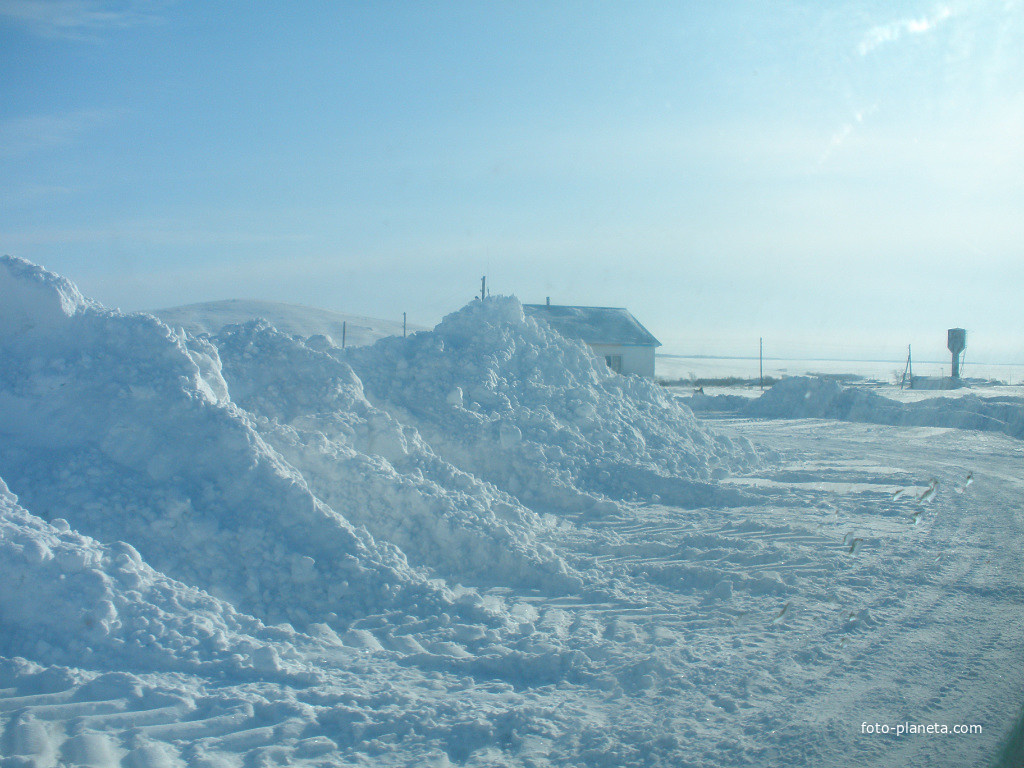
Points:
(612, 332)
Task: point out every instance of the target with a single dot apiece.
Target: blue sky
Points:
(842, 181)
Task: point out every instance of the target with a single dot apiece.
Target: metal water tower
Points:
(956, 342)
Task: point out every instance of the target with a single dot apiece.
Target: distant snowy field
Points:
(234, 544)
(679, 367)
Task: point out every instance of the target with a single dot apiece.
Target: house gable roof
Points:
(594, 325)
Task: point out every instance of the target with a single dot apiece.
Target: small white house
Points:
(612, 332)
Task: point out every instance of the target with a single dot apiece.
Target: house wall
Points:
(635, 359)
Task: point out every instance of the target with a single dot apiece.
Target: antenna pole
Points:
(760, 361)
(483, 287)
(343, 334)
(403, 325)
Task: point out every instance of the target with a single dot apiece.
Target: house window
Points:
(614, 362)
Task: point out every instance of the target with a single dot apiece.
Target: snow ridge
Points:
(379, 473)
(121, 426)
(802, 397)
(507, 399)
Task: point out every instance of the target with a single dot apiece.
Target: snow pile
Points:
(35, 299)
(66, 599)
(379, 473)
(507, 399)
(803, 397)
(124, 428)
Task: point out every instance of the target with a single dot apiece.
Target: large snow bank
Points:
(507, 399)
(802, 397)
(67, 599)
(379, 473)
(254, 470)
(125, 429)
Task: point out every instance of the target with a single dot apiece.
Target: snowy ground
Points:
(477, 547)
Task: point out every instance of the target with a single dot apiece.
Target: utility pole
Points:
(760, 361)
(907, 369)
(403, 325)
(483, 287)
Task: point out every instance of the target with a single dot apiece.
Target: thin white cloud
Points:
(893, 31)
(844, 132)
(80, 19)
(20, 136)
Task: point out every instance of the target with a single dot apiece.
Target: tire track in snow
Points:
(950, 629)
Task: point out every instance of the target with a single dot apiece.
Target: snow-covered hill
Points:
(293, 319)
(476, 546)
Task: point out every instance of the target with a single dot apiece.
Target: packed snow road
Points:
(786, 632)
(477, 546)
